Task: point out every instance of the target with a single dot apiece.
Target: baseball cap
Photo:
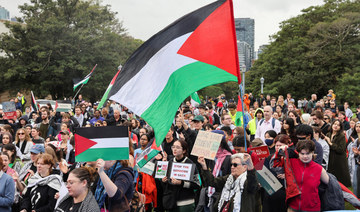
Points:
(37, 149)
(65, 132)
(199, 118)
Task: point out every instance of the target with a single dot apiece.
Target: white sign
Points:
(268, 181)
(206, 144)
(182, 171)
(161, 169)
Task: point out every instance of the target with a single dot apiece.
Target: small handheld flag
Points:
(85, 80)
(107, 143)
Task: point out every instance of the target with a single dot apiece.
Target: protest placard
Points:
(267, 180)
(261, 151)
(9, 110)
(206, 144)
(161, 169)
(182, 171)
(63, 105)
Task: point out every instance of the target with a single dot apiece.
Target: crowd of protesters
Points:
(313, 145)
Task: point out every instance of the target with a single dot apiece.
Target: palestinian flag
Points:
(196, 51)
(34, 105)
(239, 120)
(106, 94)
(148, 154)
(85, 80)
(107, 143)
(195, 100)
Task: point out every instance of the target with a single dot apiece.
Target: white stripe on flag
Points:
(154, 76)
(110, 142)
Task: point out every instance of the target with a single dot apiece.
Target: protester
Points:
(80, 198)
(24, 143)
(338, 165)
(115, 185)
(308, 176)
(238, 189)
(179, 195)
(319, 137)
(15, 161)
(276, 201)
(269, 123)
(42, 187)
(7, 190)
(353, 158)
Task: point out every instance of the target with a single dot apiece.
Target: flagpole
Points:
(238, 66)
(78, 91)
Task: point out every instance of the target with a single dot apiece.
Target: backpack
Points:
(272, 123)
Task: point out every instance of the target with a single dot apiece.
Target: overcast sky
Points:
(143, 18)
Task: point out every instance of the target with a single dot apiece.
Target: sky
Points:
(144, 18)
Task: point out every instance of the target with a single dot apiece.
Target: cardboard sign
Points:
(206, 144)
(161, 169)
(268, 181)
(63, 105)
(9, 110)
(148, 168)
(262, 151)
(182, 171)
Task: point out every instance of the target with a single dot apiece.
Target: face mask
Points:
(269, 141)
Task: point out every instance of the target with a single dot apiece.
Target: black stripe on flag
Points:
(103, 132)
(142, 55)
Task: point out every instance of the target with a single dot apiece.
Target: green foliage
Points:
(312, 52)
(57, 41)
(230, 89)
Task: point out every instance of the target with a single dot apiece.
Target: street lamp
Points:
(243, 70)
(262, 84)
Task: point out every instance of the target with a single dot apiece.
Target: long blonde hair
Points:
(27, 136)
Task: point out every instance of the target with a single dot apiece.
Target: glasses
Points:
(70, 183)
(235, 164)
(326, 118)
(176, 147)
(301, 137)
(21, 133)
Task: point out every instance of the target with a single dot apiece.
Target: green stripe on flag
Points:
(239, 120)
(103, 153)
(194, 96)
(105, 97)
(151, 154)
(175, 92)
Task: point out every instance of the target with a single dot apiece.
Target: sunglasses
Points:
(21, 133)
(235, 164)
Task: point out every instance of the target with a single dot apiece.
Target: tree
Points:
(57, 41)
(311, 52)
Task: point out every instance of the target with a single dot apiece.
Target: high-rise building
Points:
(244, 52)
(245, 31)
(4, 14)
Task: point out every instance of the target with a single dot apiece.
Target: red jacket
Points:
(307, 177)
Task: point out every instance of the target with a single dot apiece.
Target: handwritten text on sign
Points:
(206, 144)
(181, 171)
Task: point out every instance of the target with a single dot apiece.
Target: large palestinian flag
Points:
(107, 143)
(195, 51)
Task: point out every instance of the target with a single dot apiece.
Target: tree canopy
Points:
(312, 53)
(58, 40)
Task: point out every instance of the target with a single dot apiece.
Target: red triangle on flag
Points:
(82, 144)
(214, 41)
(153, 146)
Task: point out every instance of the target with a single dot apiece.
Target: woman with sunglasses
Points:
(238, 189)
(179, 195)
(24, 143)
(80, 198)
